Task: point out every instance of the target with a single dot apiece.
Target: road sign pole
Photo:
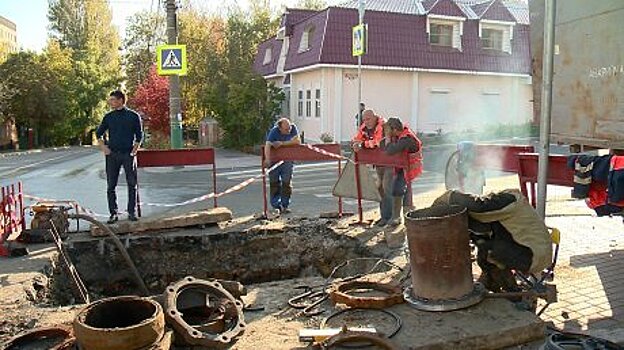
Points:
(175, 113)
(359, 101)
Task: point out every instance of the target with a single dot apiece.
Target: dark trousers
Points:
(114, 162)
(280, 186)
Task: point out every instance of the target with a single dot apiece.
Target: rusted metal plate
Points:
(588, 83)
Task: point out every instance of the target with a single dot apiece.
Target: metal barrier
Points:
(378, 157)
(302, 153)
(12, 221)
(177, 157)
(558, 173)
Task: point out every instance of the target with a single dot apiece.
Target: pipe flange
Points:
(476, 296)
(30, 338)
(199, 336)
(339, 294)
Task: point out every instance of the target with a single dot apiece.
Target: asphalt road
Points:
(78, 174)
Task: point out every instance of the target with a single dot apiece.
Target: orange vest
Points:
(375, 140)
(415, 159)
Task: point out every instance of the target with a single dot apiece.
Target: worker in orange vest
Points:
(402, 140)
(370, 135)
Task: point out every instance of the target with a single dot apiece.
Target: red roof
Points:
(400, 39)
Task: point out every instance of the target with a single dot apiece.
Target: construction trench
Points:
(282, 284)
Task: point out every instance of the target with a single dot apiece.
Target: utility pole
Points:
(547, 78)
(361, 7)
(175, 113)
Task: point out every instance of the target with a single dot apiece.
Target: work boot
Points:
(381, 223)
(132, 217)
(397, 204)
(112, 219)
(285, 210)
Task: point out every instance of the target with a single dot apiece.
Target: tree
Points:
(312, 4)
(85, 27)
(145, 31)
(151, 100)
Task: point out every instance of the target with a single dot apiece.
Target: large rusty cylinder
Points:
(439, 249)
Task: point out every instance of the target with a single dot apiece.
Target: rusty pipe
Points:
(119, 246)
(439, 249)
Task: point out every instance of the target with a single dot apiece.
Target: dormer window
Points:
(268, 56)
(441, 34)
(306, 39)
(445, 30)
(492, 39)
(496, 35)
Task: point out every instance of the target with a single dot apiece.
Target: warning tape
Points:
(234, 188)
(325, 153)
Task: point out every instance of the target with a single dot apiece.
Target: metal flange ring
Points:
(476, 296)
(339, 294)
(196, 336)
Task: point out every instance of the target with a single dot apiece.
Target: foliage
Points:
(326, 137)
(151, 100)
(312, 4)
(145, 31)
(85, 27)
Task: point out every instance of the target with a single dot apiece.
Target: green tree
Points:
(85, 27)
(144, 32)
(311, 4)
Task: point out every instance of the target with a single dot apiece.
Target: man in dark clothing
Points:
(359, 116)
(401, 139)
(124, 137)
(284, 133)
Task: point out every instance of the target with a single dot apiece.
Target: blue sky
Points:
(32, 23)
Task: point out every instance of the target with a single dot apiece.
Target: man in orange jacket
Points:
(370, 135)
(404, 141)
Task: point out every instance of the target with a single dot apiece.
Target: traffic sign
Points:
(359, 40)
(171, 59)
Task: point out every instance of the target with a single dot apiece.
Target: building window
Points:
(306, 39)
(300, 104)
(317, 107)
(308, 103)
(441, 34)
(268, 56)
(492, 39)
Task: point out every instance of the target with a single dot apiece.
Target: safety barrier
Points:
(12, 221)
(177, 157)
(303, 153)
(378, 157)
(558, 173)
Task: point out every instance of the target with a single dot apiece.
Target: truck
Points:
(588, 81)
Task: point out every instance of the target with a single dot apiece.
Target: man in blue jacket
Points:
(124, 138)
(282, 134)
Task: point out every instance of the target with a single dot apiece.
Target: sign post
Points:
(359, 49)
(171, 61)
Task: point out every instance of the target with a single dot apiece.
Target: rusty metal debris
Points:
(340, 294)
(203, 313)
(121, 323)
(119, 246)
(53, 338)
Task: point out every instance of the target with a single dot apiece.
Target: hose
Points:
(119, 245)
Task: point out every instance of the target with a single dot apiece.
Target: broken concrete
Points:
(195, 218)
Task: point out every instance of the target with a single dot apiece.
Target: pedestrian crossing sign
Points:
(359, 40)
(171, 59)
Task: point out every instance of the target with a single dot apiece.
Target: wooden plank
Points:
(195, 218)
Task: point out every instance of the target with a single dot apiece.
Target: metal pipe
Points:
(175, 99)
(119, 246)
(361, 8)
(547, 77)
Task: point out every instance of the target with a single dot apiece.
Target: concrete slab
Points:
(195, 218)
(492, 324)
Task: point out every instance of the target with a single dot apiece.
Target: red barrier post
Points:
(558, 173)
(358, 186)
(264, 192)
(138, 197)
(214, 183)
(21, 203)
(339, 198)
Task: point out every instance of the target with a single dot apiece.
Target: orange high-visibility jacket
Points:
(375, 140)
